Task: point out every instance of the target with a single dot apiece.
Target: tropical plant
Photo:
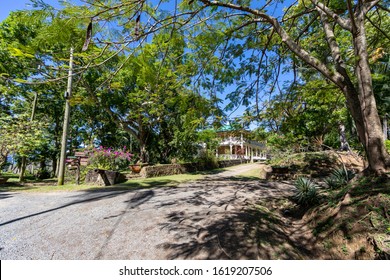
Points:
(339, 178)
(305, 192)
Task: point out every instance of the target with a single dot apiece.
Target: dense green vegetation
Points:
(153, 78)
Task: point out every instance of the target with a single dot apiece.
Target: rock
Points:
(381, 243)
(102, 177)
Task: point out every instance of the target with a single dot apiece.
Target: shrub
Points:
(306, 192)
(208, 159)
(43, 174)
(109, 159)
(339, 178)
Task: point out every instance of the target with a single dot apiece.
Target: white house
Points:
(234, 145)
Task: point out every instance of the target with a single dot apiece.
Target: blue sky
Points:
(8, 6)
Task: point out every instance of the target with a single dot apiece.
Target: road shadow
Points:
(5, 195)
(241, 235)
(96, 194)
(138, 199)
(222, 220)
(215, 218)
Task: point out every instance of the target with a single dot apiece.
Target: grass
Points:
(253, 173)
(15, 177)
(50, 185)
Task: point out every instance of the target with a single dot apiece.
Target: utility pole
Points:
(68, 95)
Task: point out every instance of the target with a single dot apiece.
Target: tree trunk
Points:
(385, 128)
(22, 169)
(143, 153)
(57, 169)
(369, 127)
(54, 165)
(344, 146)
(3, 160)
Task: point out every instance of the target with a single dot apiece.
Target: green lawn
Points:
(50, 185)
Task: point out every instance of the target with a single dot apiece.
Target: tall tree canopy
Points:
(255, 36)
(241, 44)
(137, 98)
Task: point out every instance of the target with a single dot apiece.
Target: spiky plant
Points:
(305, 191)
(339, 178)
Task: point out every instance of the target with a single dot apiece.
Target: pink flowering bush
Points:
(109, 159)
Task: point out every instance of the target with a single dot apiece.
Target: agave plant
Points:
(339, 178)
(305, 192)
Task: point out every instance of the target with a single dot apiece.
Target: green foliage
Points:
(20, 136)
(42, 174)
(339, 178)
(149, 100)
(304, 117)
(281, 142)
(152, 95)
(305, 192)
(208, 159)
(210, 138)
(387, 144)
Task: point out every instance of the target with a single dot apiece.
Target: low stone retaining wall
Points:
(173, 169)
(232, 162)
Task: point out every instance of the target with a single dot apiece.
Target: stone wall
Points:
(232, 162)
(173, 169)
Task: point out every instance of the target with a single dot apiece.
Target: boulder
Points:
(102, 177)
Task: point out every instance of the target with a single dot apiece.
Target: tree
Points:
(261, 28)
(147, 99)
(15, 140)
(359, 94)
(250, 43)
(33, 49)
(307, 113)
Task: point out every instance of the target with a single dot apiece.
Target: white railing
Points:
(260, 157)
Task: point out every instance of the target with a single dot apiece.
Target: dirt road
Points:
(213, 218)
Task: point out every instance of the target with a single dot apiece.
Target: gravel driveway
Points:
(206, 219)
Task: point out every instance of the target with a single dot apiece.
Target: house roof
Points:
(227, 127)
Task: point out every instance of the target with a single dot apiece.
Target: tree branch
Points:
(286, 39)
(334, 47)
(345, 24)
(115, 118)
(378, 28)
(351, 16)
(383, 8)
(367, 5)
(306, 28)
